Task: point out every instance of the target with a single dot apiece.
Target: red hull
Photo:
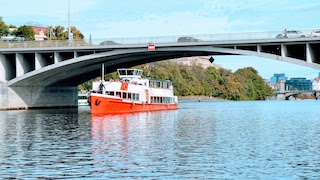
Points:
(105, 105)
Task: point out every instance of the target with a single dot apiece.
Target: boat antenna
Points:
(102, 78)
(148, 75)
(102, 72)
(150, 66)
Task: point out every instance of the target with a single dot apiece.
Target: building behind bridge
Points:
(299, 84)
(316, 84)
(277, 77)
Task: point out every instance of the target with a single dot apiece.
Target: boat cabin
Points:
(129, 73)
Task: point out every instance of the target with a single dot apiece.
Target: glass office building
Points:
(277, 77)
(298, 84)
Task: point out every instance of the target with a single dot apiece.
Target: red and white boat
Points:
(131, 93)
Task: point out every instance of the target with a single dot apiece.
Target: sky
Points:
(144, 18)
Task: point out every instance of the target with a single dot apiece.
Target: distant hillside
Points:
(200, 60)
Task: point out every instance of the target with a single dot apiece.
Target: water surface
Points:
(205, 140)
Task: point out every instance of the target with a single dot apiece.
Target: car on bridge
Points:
(108, 42)
(188, 39)
(315, 33)
(291, 34)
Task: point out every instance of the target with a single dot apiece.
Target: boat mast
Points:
(102, 78)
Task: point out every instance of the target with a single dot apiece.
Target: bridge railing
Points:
(145, 40)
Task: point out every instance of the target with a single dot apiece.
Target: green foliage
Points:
(61, 33)
(256, 88)
(26, 32)
(244, 84)
(4, 29)
(77, 35)
(53, 33)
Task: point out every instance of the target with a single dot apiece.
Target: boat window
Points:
(129, 95)
(134, 96)
(151, 83)
(124, 95)
(82, 97)
(118, 94)
(165, 85)
(122, 72)
(137, 72)
(130, 72)
(111, 93)
(158, 84)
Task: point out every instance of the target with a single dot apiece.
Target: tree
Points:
(61, 33)
(77, 35)
(4, 29)
(26, 32)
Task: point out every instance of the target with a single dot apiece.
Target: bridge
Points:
(285, 95)
(46, 74)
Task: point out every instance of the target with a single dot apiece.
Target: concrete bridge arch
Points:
(79, 69)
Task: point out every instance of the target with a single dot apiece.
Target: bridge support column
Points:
(57, 57)
(20, 65)
(317, 95)
(2, 69)
(38, 61)
(308, 51)
(284, 50)
(281, 96)
(37, 97)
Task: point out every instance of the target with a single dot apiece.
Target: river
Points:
(205, 140)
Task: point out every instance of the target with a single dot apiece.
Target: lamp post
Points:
(69, 31)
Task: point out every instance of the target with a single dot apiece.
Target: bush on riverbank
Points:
(244, 84)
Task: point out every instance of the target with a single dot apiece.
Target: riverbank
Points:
(198, 99)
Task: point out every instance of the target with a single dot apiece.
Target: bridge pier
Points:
(37, 97)
(281, 96)
(317, 94)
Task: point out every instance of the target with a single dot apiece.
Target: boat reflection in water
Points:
(128, 140)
